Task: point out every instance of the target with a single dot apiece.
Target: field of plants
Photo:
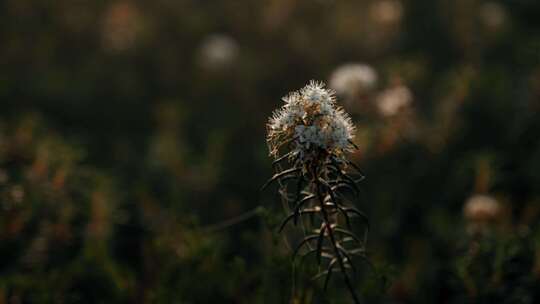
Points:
(136, 137)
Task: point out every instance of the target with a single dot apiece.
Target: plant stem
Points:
(333, 241)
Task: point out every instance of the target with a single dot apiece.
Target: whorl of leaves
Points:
(318, 197)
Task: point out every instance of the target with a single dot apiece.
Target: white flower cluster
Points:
(311, 122)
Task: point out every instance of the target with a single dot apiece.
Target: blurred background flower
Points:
(121, 26)
(353, 82)
(218, 52)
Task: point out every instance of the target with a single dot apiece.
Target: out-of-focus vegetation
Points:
(132, 131)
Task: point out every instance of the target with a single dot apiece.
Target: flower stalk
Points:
(309, 138)
(330, 230)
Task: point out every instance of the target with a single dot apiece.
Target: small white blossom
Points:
(315, 94)
(312, 122)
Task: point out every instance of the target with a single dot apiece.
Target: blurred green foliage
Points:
(132, 131)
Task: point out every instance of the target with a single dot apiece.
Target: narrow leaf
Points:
(299, 206)
(280, 175)
(330, 268)
(303, 242)
(320, 242)
(348, 233)
(292, 215)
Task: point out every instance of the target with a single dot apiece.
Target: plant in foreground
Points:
(309, 138)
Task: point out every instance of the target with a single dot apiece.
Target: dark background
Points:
(131, 132)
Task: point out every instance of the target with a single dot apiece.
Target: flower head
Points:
(311, 123)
